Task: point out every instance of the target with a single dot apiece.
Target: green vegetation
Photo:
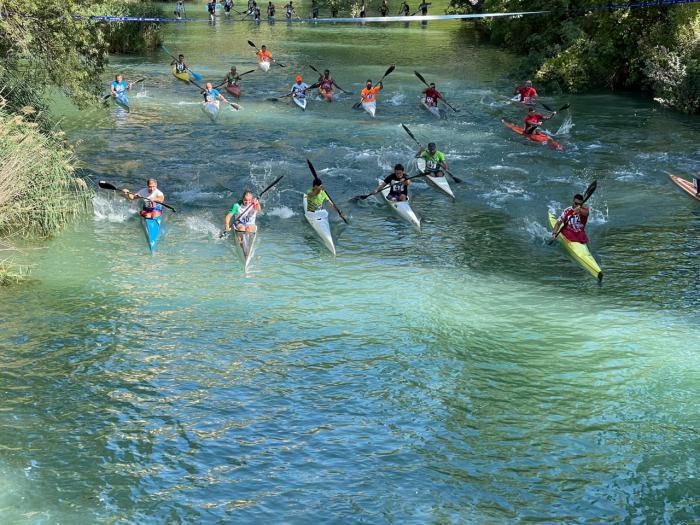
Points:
(573, 48)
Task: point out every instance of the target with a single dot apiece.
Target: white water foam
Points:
(283, 212)
(565, 126)
(499, 167)
(111, 210)
(199, 224)
(397, 99)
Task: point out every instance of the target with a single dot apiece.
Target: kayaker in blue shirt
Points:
(299, 88)
(152, 198)
(211, 94)
(119, 86)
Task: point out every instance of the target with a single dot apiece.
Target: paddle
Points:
(420, 77)
(225, 233)
(277, 99)
(587, 195)
(313, 172)
(320, 74)
(363, 197)
(239, 76)
(273, 60)
(388, 72)
(545, 106)
(107, 186)
(133, 83)
(456, 179)
(196, 76)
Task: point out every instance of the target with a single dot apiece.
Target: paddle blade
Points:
(313, 170)
(589, 191)
(252, 45)
(545, 106)
(389, 71)
(316, 70)
(565, 106)
(196, 76)
(359, 197)
(247, 72)
(420, 77)
(409, 133)
(106, 185)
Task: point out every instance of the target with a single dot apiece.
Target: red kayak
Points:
(537, 136)
(686, 185)
(328, 95)
(234, 89)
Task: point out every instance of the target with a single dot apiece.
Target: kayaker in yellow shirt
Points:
(317, 196)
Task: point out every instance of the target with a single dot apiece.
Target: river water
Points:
(466, 373)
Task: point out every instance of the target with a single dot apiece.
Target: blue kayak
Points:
(152, 229)
(122, 101)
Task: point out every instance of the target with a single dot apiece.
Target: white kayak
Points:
(265, 66)
(301, 102)
(402, 208)
(439, 183)
(211, 109)
(319, 222)
(370, 107)
(433, 110)
(244, 244)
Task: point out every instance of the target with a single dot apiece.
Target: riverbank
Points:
(39, 192)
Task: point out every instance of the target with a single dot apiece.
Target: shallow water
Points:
(468, 373)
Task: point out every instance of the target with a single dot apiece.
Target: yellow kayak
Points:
(579, 252)
(182, 76)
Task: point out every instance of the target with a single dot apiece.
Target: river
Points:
(466, 373)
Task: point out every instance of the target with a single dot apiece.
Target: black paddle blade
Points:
(388, 71)
(252, 45)
(359, 197)
(409, 133)
(107, 186)
(589, 191)
(420, 77)
(545, 106)
(313, 170)
(251, 71)
(316, 70)
(565, 106)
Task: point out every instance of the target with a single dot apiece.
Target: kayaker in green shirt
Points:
(434, 160)
(243, 214)
(316, 196)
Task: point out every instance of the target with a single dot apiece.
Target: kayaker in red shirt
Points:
(534, 120)
(574, 219)
(432, 95)
(528, 94)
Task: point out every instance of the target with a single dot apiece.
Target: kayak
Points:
(182, 76)
(433, 110)
(328, 95)
(121, 101)
(686, 185)
(265, 66)
(370, 107)
(244, 243)
(211, 109)
(579, 252)
(151, 228)
(234, 89)
(536, 137)
(402, 208)
(301, 102)
(319, 222)
(439, 183)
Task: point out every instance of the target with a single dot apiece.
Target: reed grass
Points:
(39, 191)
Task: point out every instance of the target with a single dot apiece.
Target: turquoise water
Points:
(468, 373)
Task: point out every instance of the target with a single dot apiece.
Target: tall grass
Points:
(39, 192)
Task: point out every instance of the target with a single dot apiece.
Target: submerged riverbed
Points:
(467, 373)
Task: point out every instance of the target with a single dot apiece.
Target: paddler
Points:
(264, 55)
(404, 9)
(534, 120)
(398, 185)
(211, 9)
(289, 11)
(299, 88)
(314, 9)
(243, 213)
(384, 8)
(179, 9)
(211, 94)
(152, 199)
(325, 84)
(228, 4)
(232, 77)
(316, 196)
(574, 219)
(270, 10)
(179, 64)
(423, 8)
(119, 86)
(432, 95)
(435, 161)
(369, 93)
(528, 94)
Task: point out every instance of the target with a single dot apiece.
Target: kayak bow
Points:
(151, 228)
(686, 185)
(579, 252)
(370, 107)
(535, 137)
(301, 102)
(439, 183)
(319, 222)
(211, 109)
(402, 208)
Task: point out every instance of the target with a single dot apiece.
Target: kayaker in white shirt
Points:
(152, 198)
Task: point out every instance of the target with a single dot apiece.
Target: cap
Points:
(431, 145)
(298, 78)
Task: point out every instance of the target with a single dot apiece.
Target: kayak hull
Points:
(184, 76)
(244, 244)
(439, 183)
(535, 137)
(301, 102)
(327, 95)
(370, 107)
(122, 101)
(152, 229)
(433, 110)
(579, 252)
(401, 208)
(265, 66)
(318, 220)
(211, 109)
(686, 185)
(234, 89)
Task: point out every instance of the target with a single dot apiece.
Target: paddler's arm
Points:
(128, 194)
(443, 163)
(420, 152)
(227, 220)
(338, 86)
(381, 186)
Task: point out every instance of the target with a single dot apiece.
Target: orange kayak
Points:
(536, 137)
(686, 185)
